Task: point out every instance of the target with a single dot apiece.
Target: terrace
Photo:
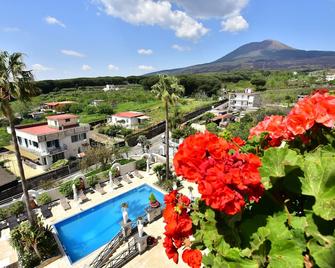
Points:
(156, 229)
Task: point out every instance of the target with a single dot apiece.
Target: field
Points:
(131, 98)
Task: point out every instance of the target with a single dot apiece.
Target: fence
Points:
(159, 128)
(36, 181)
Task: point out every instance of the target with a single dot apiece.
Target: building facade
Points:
(243, 101)
(127, 119)
(61, 137)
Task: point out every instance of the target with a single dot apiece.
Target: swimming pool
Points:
(85, 232)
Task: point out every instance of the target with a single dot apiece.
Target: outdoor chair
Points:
(46, 211)
(23, 217)
(126, 178)
(99, 189)
(12, 222)
(117, 183)
(82, 196)
(65, 203)
(137, 174)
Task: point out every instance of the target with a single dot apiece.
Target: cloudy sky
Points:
(79, 38)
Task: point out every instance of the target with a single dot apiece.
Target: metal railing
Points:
(123, 257)
(114, 244)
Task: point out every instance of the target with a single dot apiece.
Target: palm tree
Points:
(15, 83)
(168, 90)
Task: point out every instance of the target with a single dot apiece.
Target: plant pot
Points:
(155, 204)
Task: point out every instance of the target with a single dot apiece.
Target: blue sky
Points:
(83, 38)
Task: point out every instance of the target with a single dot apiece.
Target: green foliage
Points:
(213, 127)
(66, 188)
(152, 198)
(105, 109)
(16, 208)
(60, 163)
(184, 132)
(33, 243)
(115, 130)
(92, 181)
(141, 164)
(5, 138)
(43, 199)
(89, 109)
(3, 213)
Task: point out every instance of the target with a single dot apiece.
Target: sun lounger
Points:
(23, 217)
(3, 225)
(46, 211)
(99, 189)
(126, 178)
(65, 204)
(117, 183)
(82, 196)
(137, 174)
(12, 222)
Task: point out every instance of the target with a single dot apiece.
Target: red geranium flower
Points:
(192, 257)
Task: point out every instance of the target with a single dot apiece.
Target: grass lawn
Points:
(87, 118)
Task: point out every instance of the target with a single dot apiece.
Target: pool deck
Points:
(153, 258)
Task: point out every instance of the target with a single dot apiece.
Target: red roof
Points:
(129, 114)
(62, 116)
(39, 130)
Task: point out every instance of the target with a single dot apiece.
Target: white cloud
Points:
(86, 67)
(143, 51)
(180, 48)
(234, 24)
(112, 67)
(160, 13)
(10, 29)
(54, 21)
(72, 53)
(40, 68)
(145, 68)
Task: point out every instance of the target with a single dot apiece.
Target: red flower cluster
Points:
(317, 108)
(225, 177)
(178, 224)
(192, 257)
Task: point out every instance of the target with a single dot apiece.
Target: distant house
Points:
(128, 119)
(43, 144)
(247, 100)
(330, 77)
(96, 102)
(110, 88)
(54, 105)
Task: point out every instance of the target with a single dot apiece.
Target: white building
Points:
(61, 137)
(246, 100)
(110, 88)
(97, 102)
(330, 77)
(127, 119)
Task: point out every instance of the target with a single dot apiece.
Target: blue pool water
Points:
(85, 232)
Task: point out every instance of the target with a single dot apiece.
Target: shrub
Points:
(115, 172)
(3, 213)
(59, 164)
(159, 170)
(125, 132)
(43, 199)
(16, 208)
(152, 198)
(212, 127)
(92, 181)
(66, 188)
(141, 164)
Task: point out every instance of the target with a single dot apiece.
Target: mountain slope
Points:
(268, 54)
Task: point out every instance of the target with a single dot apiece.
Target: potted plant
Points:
(154, 203)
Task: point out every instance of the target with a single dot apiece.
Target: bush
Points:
(115, 172)
(66, 188)
(212, 127)
(125, 132)
(3, 213)
(105, 109)
(43, 199)
(59, 164)
(16, 208)
(141, 164)
(92, 181)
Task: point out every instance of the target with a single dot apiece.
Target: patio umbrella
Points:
(75, 195)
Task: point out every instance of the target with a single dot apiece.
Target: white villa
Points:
(127, 119)
(61, 137)
(110, 88)
(247, 100)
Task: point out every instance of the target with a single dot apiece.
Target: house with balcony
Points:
(43, 144)
(244, 101)
(128, 119)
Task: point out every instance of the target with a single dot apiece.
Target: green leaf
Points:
(276, 162)
(319, 181)
(324, 255)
